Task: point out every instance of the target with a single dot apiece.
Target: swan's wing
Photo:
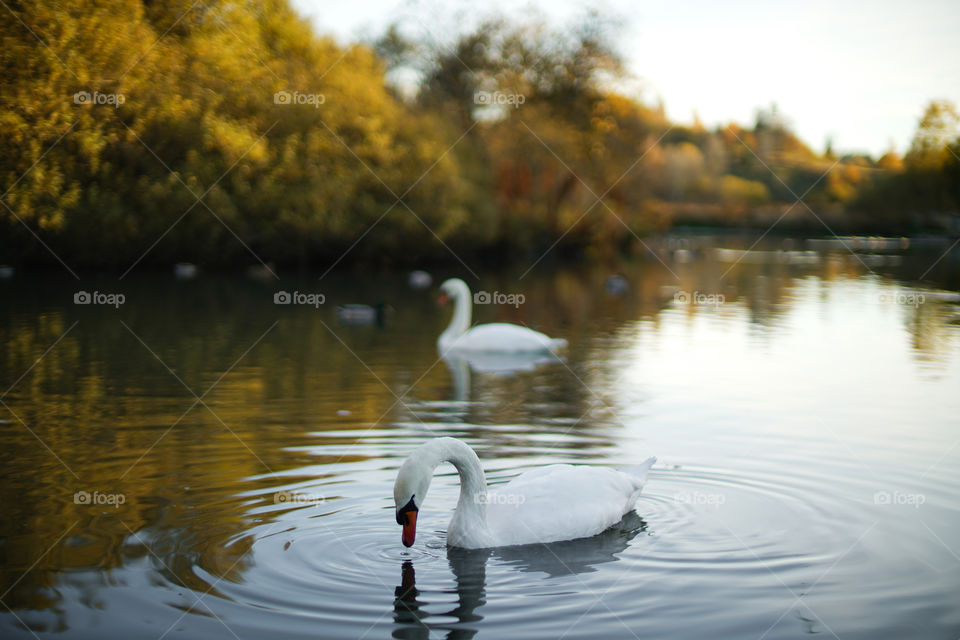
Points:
(501, 336)
(639, 472)
(559, 502)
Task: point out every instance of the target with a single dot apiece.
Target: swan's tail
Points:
(639, 472)
(557, 344)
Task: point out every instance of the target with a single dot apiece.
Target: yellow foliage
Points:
(738, 191)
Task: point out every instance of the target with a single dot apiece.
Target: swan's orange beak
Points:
(409, 528)
(442, 300)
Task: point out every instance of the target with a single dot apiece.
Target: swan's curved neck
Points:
(460, 322)
(471, 512)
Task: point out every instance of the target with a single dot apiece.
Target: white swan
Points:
(497, 336)
(558, 502)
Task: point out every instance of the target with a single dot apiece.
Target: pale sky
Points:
(859, 72)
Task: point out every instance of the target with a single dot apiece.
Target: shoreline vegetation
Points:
(223, 134)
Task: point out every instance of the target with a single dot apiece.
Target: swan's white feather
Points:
(559, 502)
(504, 337)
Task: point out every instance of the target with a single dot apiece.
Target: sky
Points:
(857, 73)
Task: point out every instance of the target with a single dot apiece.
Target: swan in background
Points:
(496, 336)
(549, 504)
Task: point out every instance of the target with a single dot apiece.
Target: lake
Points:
(193, 460)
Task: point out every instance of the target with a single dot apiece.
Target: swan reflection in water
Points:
(413, 621)
(499, 364)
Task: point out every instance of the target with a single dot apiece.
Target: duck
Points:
(419, 279)
(616, 285)
(494, 337)
(265, 272)
(185, 271)
(548, 504)
(362, 314)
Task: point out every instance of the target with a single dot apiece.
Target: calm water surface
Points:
(203, 463)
